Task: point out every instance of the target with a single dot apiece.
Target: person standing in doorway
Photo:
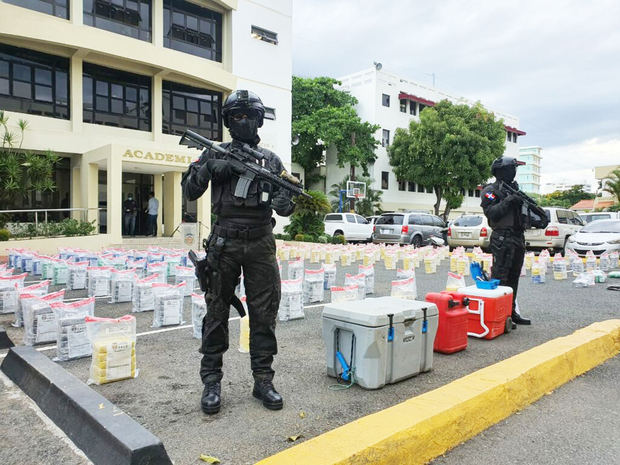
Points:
(130, 211)
(151, 211)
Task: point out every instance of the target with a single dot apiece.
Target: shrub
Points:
(308, 215)
(308, 238)
(299, 237)
(323, 239)
(4, 234)
(339, 239)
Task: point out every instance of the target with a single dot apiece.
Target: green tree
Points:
(450, 149)
(612, 184)
(325, 117)
(308, 215)
(567, 198)
(366, 207)
(22, 172)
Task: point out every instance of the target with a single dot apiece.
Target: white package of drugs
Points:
(344, 293)
(14, 280)
(35, 290)
(99, 281)
(72, 340)
(329, 277)
(121, 285)
(369, 272)
(28, 300)
(313, 286)
(295, 269)
(60, 273)
(172, 261)
(143, 298)
(199, 310)
(168, 302)
(78, 275)
(113, 343)
(158, 268)
(360, 281)
(291, 301)
(9, 297)
(187, 275)
(39, 323)
(404, 289)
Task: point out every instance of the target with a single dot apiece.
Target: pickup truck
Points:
(350, 225)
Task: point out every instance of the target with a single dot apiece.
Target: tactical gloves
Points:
(281, 201)
(514, 200)
(216, 169)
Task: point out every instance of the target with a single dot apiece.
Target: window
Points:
(508, 136)
(420, 188)
(33, 82)
(411, 186)
(514, 137)
(468, 221)
(350, 218)
(361, 220)
(422, 107)
(264, 35)
(270, 113)
(415, 219)
(191, 107)
(429, 190)
(333, 217)
(57, 8)
(562, 216)
(438, 222)
(193, 29)
(389, 218)
(477, 193)
(385, 100)
(385, 180)
(426, 220)
(385, 138)
(128, 17)
(402, 185)
(412, 108)
(116, 98)
(470, 193)
(403, 105)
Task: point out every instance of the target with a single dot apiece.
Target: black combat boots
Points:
(210, 401)
(518, 319)
(264, 390)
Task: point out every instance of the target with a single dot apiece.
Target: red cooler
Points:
(490, 311)
(452, 331)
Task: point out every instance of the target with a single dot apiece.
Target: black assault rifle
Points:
(244, 161)
(533, 215)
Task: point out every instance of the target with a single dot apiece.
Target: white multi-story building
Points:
(110, 85)
(392, 102)
(528, 175)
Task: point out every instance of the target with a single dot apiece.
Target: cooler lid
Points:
(499, 291)
(373, 312)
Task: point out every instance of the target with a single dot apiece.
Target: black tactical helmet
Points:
(243, 100)
(504, 162)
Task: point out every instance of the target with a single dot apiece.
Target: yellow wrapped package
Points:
(114, 348)
(390, 261)
(315, 256)
(453, 262)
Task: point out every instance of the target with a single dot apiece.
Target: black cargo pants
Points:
(508, 249)
(257, 258)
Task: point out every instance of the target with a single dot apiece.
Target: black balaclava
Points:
(245, 130)
(506, 173)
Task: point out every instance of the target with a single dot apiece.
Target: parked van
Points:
(350, 225)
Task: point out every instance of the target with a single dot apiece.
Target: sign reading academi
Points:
(158, 157)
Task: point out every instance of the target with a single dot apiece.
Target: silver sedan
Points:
(599, 236)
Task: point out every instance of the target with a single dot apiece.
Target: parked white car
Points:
(563, 223)
(590, 217)
(599, 236)
(350, 225)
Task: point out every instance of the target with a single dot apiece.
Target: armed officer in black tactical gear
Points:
(504, 212)
(241, 239)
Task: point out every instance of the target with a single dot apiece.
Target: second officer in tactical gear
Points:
(504, 213)
(241, 239)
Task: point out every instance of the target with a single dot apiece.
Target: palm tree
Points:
(365, 207)
(612, 184)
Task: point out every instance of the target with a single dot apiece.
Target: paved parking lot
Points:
(165, 395)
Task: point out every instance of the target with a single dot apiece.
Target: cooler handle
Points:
(480, 312)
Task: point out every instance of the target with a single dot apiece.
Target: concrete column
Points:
(203, 207)
(89, 189)
(76, 12)
(75, 199)
(173, 204)
(157, 32)
(115, 196)
(156, 107)
(75, 89)
(157, 189)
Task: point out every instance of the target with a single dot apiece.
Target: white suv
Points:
(562, 224)
(350, 225)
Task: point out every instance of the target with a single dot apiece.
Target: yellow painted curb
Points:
(424, 427)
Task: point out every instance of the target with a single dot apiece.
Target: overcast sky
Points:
(553, 64)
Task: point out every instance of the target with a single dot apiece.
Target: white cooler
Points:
(360, 331)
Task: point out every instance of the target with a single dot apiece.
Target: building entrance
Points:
(139, 186)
